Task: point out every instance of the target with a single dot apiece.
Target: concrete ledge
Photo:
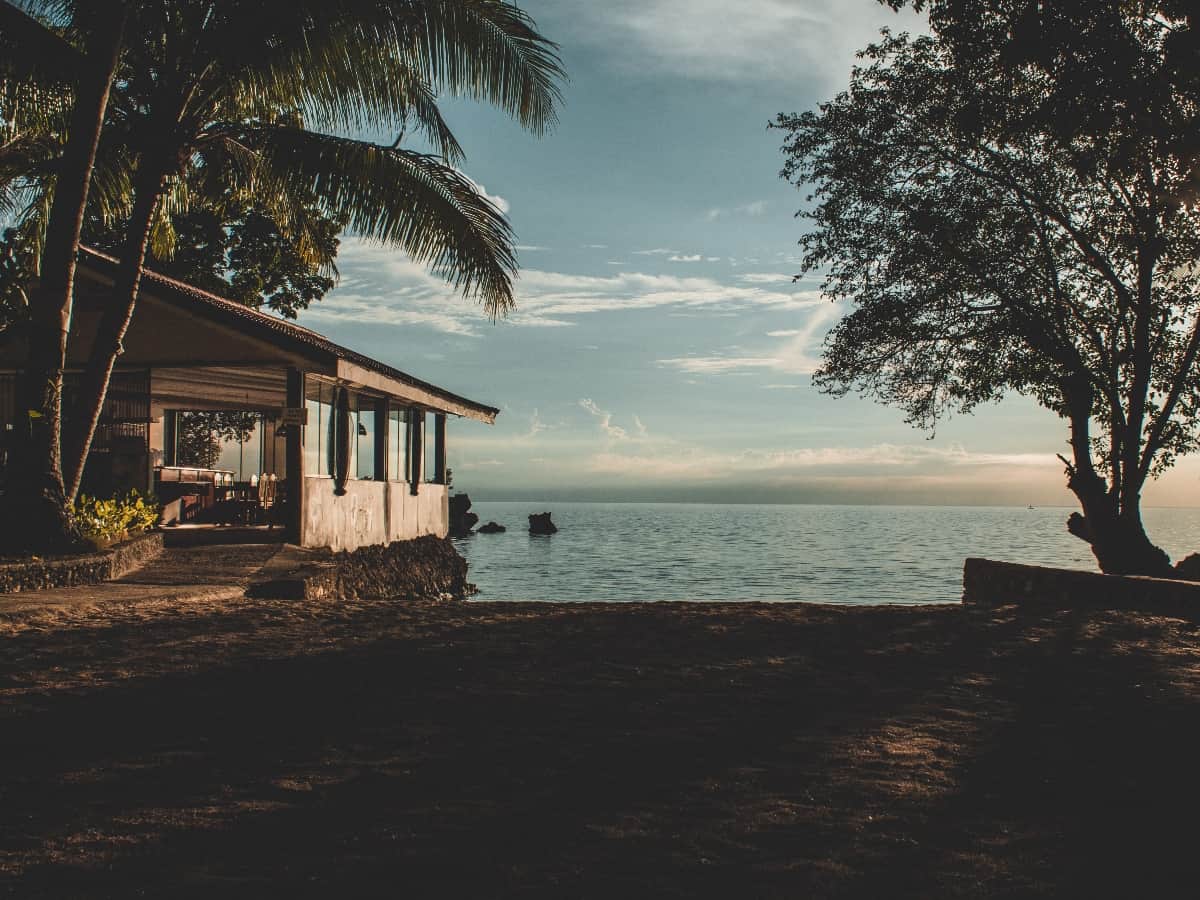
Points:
(89, 568)
(296, 573)
(990, 583)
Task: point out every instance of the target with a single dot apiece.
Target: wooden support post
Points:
(439, 448)
(382, 424)
(170, 437)
(294, 457)
(416, 451)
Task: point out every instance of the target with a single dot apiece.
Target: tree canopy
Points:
(237, 249)
(988, 249)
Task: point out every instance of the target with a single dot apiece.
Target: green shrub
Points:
(105, 522)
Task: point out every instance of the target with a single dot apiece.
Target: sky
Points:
(660, 349)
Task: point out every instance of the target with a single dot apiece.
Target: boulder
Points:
(492, 528)
(1188, 568)
(462, 520)
(539, 523)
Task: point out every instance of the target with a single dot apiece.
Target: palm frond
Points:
(410, 200)
(371, 64)
(31, 48)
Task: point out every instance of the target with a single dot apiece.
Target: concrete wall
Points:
(371, 512)
(990, 583)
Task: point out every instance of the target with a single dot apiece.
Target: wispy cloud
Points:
(796, 355)
(694, 463)
(536, 425)
(384, 286)
(756, 208)
(543, 293)
(604, 420)
(774, 41)
(764, 278)
(691, 257)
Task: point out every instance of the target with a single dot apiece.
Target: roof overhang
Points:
(308, 350)
(440, 401)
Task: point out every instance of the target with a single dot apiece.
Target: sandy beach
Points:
(249, 748)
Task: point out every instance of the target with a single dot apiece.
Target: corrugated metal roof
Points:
(271, 327)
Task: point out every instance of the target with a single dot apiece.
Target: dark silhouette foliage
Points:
(991, 244)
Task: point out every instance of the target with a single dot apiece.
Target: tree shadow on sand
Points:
(665, 750)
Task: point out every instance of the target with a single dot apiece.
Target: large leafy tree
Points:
(237, 249)
(259, 99)
(988, 248)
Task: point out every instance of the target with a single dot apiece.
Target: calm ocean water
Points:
(828, 554)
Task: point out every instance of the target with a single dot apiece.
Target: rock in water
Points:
(491, 528)
(539, 523)
(462, 520)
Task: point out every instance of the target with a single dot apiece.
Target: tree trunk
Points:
(35, 510)
(93, 388)
(1112, 528)
(1118, 538)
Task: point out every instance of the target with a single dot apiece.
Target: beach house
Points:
(338, 449)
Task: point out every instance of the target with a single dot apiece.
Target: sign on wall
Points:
(293, 415)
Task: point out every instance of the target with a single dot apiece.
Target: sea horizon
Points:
(482, 498)
(858, 554)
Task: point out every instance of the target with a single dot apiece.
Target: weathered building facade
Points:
(355, 450)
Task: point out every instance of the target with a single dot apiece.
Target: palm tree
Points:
(241, 93)
(34, 103)
(255, 98)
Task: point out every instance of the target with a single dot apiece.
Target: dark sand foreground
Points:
(252, 749)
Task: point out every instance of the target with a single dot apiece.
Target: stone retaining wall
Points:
(990, 583)
(424, 568)
(90, 568)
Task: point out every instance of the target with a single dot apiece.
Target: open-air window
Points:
(398, 443)
(362, 437)
(318, 399)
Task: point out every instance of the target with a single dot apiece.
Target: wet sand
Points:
(241, 748)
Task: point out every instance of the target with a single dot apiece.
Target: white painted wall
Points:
(371, 512)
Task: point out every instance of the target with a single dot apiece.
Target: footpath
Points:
(211, 572)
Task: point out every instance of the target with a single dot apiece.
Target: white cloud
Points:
(657, 251)
(595, 246)
(784, 332)
(497, 201)
(530, 248)
(694, 257)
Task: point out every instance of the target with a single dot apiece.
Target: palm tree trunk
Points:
(36, 509)
(115, 322)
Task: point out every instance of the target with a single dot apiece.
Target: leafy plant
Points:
(105, 522)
